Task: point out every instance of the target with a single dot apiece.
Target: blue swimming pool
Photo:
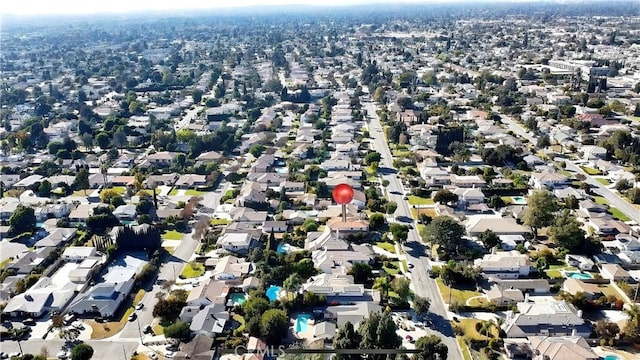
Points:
(283, 248)
(611, 357)
(578, 275)
(272, 292)
(238, 298)
(520, 200)
(302, 322)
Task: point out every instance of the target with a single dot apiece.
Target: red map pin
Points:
(343, 194)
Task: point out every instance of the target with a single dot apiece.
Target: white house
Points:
(549, 318)
(507, 264)
(236, 242)
(548, 180)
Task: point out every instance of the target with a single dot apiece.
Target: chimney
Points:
(526, 297)
(574, 332)
(580, 313)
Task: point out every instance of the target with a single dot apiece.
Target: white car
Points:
(151, 355)
(78, 325)
(169, 354)
(62, 355)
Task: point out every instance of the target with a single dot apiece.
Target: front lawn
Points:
(172, 235)
(215, 222)
(416, 200)
(617, 214)
(173, 191)
(590, 171)
(391, 270)
(463, 348)
(191, 192)
(386, 246)
(469, 326)
(600, 200)
(107, 329)
(603, 181)
(192, 270)
(457, 295)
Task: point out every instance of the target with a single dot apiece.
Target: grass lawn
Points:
(192, 192)
(119, 189)
(416, 200)
(463, 348)
(172, 235)
(215, 222)
(603, 181)
(458, 295)
(139, 296)
(82, 193)
(173, 191)
(391, 271)
(404, 263)
(555, 271)
(192, 270)
(469, 326)
(240, 320)
(386, 246)
(608, 289)
(564, 172)
(617, 214)
(478, 302)
(158, 329)
(600, 200)
(228, 193)
(508, 200)
(5, 263)
(590, 171)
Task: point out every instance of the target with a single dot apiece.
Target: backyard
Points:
(172, 235)
(192, 270)
(555, 271)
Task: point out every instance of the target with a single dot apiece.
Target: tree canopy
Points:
(446, 232)
(22, 220)
(540, 209)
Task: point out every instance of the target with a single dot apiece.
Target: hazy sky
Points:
(38, 7)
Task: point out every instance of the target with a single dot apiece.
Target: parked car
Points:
(132, 317)
(29, 322)
(151, 355)
(15, 355)
(78, 325)
(147, 329)
(169, 354)
(62, 355)
(139, 306)
(409, 338)
(4, 355)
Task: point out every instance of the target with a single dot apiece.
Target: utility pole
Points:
(139, 331)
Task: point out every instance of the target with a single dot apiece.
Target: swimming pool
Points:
(302, 322)
(282, 248)
(578, 275)
(520, 200)
(611, 357)
(238, 298)
(272, 292)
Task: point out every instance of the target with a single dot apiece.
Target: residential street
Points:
(616, 201)
(416, 255)
(114, 349)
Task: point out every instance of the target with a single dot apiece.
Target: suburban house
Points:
(191, 181)
(210, 320)
(548, 180)
(615, 272)
(561, 348)
(574, 286)
(238, 243)
(79, 253)
(579, 261)
(232, 268)
(333, 285)
(507, 264)
(161, 158)
(57, 237)
(208, 292)
(550, 318)
(351, 313)
(501, 296)
(501, 226)
(105, 298)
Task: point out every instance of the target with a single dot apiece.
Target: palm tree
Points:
(383, 284)
(632, 328)
(292, 283)
(486, 327)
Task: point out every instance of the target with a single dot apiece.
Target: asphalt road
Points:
(169, 271)
(415, 251)
(616, 201)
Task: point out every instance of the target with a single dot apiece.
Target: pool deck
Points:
(621, 354)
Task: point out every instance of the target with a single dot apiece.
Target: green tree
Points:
(566, 231)
(489, 238)
(168, 309)
(421, 306)
(347, 338)
(445, 196)
(607, 330)
(571, 202)
(45, 188)
(431, 348)
(81, 352)
(400, 232)
(539, 211)
(103, 140)
(305, 268)
(632, 327)
(377, 221)
(292, 283)
(383, 285)
(178, 330)
(112, 197)
(361, 272)
(197, 96)
(372, 157)
(254, 306)
(274, 324)
(22, 220)
(379, 331)
(445, 232)
(401, 287)
(81, 182)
